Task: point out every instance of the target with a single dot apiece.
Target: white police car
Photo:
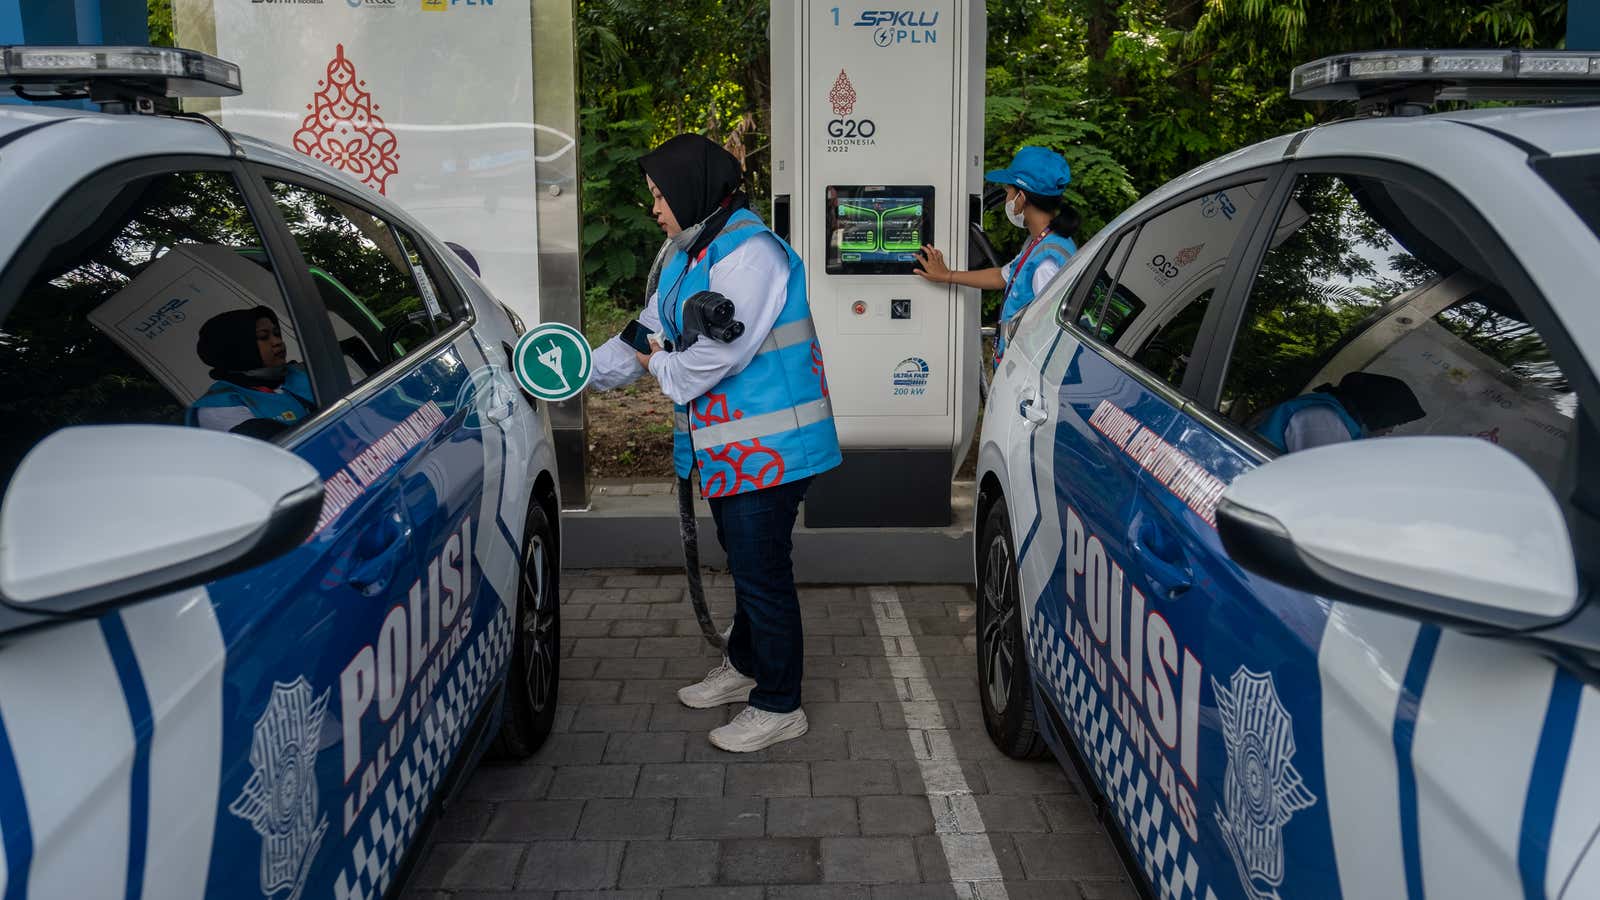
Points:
(1366, 669)
(232, 667)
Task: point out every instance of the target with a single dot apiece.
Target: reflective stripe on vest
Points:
(801, 332)
(752, 427)
(780, 338)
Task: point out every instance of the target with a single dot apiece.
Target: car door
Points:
(1345, 752)
(408, 636)
(1021, 413)
(1103, 650)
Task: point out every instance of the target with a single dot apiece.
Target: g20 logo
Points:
(852, 128)
(1163, 266)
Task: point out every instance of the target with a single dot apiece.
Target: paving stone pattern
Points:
(895, 792)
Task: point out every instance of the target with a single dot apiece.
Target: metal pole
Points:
(555, 106)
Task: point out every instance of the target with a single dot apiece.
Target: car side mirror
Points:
(99, 516)
(1453, 530)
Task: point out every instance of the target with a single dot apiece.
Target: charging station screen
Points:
(877, 229)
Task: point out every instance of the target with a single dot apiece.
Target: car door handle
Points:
(376, 559)
(1029, 409)
(1170, 578)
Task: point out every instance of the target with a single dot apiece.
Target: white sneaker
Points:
(753, 729)
(721, 685)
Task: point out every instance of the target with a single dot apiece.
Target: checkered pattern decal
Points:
(1167, 854)
(411, 782)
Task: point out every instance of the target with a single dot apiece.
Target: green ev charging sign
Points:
(553, 361)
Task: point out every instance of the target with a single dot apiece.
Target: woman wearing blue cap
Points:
(1033, 185)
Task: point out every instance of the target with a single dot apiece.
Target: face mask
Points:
(1015, 215)
(685, 238)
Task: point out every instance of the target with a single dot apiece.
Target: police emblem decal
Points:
(280, 799)
(1262, 789)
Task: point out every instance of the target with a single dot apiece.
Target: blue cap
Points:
(1037, 170)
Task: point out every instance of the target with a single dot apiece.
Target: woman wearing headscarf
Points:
(257, 391)
(751, 414)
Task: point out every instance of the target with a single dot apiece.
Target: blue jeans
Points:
(756, 529)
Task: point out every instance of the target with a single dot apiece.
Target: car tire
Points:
(1005, 684)
(534, 676)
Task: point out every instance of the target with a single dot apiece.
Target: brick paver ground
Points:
(896, 791)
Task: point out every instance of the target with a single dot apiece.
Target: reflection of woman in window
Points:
(258, 392)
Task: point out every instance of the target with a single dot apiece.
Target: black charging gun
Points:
(706, 314)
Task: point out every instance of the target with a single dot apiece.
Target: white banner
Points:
(429, 102)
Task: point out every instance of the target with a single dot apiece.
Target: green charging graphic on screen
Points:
(883, 229)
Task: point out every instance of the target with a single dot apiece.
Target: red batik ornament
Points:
(843, 95)
(344, 129)
(817, 369)
(741, 458)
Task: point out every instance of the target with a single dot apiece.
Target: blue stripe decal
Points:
(14, 828)
(1405, 732)
(1033, 470)
(1544, 787)
(138, 700)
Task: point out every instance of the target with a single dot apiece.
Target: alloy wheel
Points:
(1000, 610)
(538, 627)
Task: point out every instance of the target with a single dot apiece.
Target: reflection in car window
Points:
(1103, 318)
(368, 273)
(108, 329)
(1366, 319)
(1329, 268)
(1166, 353)
(1172, 271)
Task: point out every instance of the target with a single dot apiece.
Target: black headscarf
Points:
(1376, 401)
(228, 345)
(699, 179)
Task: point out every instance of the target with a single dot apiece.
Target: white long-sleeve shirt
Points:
(755, 276)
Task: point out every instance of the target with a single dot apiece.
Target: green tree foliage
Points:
(160, 20)
(650, 70)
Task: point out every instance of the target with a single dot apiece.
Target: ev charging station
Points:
(877, 135)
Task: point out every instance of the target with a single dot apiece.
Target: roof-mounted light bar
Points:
(1429, 75)
(112, 74)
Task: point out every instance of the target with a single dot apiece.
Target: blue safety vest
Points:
(288, 405)
(772, 423)
(1019, 289)
(1275, 429)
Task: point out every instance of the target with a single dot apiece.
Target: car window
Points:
(381, 298)
(1162, 288)
(154, 303)
(1371, 311)
(1104, 321)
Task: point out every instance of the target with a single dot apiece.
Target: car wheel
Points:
(1005, 685)
(536, 655)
